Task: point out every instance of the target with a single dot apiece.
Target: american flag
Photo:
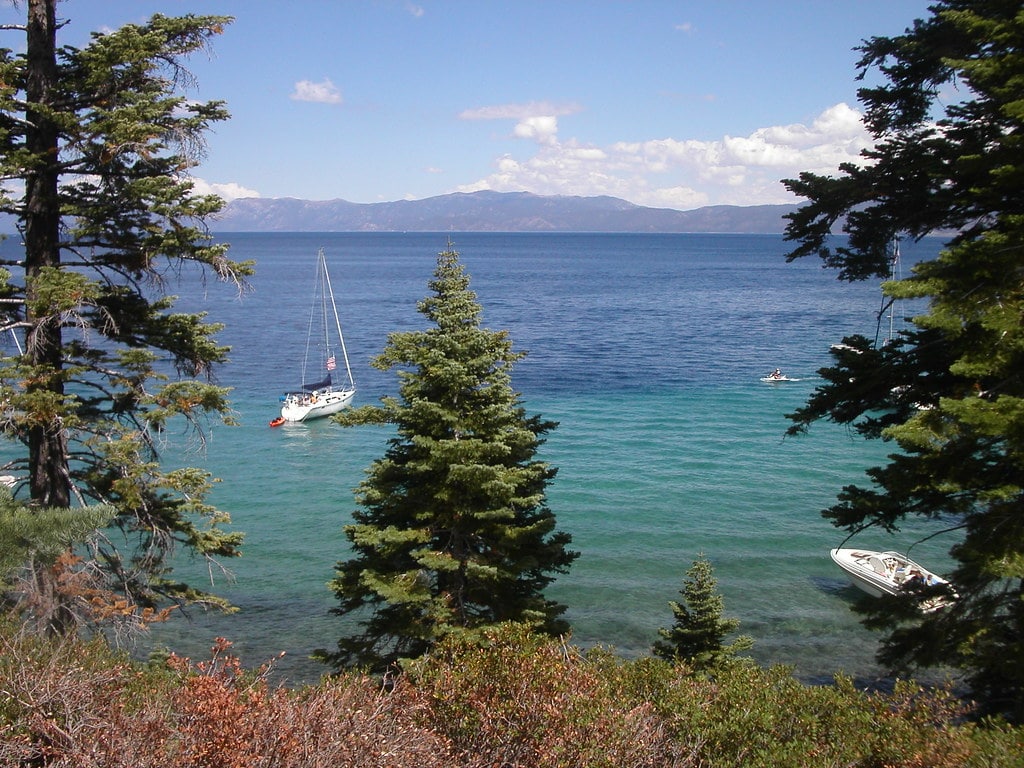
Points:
(331, 364)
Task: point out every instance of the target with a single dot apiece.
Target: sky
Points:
(670, 104)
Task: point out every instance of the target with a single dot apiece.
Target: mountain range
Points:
(492, 212)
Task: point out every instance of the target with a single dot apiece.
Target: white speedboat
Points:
(314, 400)
(887, 573)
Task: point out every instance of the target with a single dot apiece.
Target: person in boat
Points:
(776, 374)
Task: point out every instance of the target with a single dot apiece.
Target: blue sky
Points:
(669, 104)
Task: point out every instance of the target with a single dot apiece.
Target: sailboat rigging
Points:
(320, 397)
(889, 307)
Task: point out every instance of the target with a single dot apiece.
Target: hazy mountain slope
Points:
(492, 212)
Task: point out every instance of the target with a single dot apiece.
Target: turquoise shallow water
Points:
(647, 349)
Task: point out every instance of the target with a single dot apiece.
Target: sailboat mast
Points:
(337, 320)
(893, 275)
(322, 282)
(889, 305)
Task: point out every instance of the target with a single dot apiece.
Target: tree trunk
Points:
(48, 472)
(47, 443)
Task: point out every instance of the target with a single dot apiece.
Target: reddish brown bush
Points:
(526, 701)
(228, 719)
(59, 708)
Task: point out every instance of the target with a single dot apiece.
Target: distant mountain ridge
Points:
(492, 212)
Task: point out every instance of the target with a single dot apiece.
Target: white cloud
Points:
(324, 92)
(229, 191)
(675, 173)
(537, 120)
(414, 10)
(543, 129)
(520, 111)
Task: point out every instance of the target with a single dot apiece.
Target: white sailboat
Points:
(889, 310)
(318, 395)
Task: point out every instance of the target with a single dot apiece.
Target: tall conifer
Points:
(948, 122)
(454, 533)
(95, 148)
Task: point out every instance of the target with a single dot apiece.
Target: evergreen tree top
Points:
(454, 533)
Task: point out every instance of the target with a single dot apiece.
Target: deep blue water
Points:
(647, 349)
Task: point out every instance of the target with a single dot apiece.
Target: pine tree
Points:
(699, 630)
(948, 157)
(454, 534)
(98, 142)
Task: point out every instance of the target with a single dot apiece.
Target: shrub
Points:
(520, 700)
(751, 717)
(69, 703)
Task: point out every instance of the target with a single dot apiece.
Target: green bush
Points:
(521, 700)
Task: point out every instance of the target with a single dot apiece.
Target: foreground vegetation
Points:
(519, 700)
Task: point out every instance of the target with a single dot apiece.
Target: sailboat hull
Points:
(316, 405)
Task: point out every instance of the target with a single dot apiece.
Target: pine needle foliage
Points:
(698, 634)
(28, 534)
(948, 156)
(454, 533)
(96, 144)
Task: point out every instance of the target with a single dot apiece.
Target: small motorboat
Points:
(777, 375)
(888, 573)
